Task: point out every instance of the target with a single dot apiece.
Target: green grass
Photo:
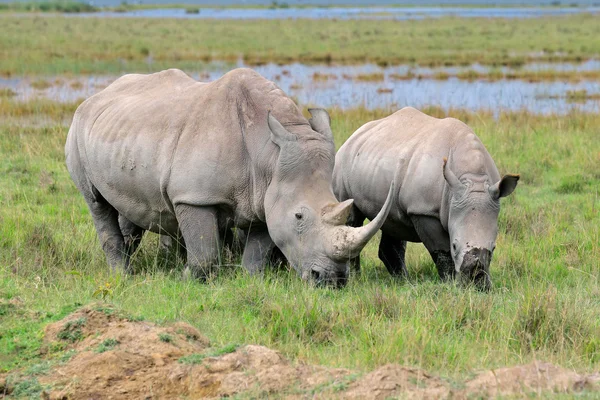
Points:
(545, 303)
(33, 45)
(198, 358)
(106, 345)
(165, 337)
(57, 6)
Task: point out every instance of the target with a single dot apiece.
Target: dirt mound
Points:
(535, 377)
(394, 380)
(118, 357)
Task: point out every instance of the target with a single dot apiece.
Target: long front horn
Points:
(347, 242)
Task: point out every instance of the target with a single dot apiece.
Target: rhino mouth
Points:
(476, 269)
(322, 278)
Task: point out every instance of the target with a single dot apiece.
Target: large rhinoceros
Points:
(165, 153)
(449, 191)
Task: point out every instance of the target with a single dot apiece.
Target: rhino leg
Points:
(391, 253)
(132, 236)
(355, 220)
(232, 238)
(444, 263)
(200, 230)
(257, 251)
(106, 221)
(437, 241)
(169, 244)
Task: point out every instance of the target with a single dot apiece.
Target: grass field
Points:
(56, 44)
(545, 303)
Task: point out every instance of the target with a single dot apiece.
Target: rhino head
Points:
(303, 217)
(473, 223)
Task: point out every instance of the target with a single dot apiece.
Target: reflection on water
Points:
(366, 85)
(394, 13)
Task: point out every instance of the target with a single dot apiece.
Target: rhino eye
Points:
(298, 215)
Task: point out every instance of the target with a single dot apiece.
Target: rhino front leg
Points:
(132, 236)
(257, 251)
(391, 253)
(200, 230)
(355, 220)
(437, 241)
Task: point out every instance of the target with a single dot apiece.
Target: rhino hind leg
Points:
(172, 244)
(391, 253)
(257, 251)
(106, 221)
(200, 230)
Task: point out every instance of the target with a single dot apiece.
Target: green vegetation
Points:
(60, 44)
(107, 345)
(165, 337)
(71, 332)
(544, 304)
(513, 74)
(199, 357)
(57, 6)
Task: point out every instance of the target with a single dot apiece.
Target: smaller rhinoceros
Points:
(449, 191)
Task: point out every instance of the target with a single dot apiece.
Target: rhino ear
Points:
(504, 187)
(452, 180)
(321, 122)
(338, 214)
(279, 135)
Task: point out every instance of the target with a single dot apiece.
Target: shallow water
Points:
(338, 86)
(391, 13)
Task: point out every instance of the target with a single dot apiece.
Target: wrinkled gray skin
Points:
(190, 160)
(452, 207)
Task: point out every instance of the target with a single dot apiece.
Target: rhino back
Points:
(415, 144)
(148, 142)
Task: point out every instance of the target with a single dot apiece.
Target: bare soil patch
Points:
(117, 357)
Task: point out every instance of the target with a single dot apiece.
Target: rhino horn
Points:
(321, 122)
(452, 180)
(338, 213)
(348, 241)
(279, 135)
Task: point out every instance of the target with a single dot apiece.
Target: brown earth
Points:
(118, 358)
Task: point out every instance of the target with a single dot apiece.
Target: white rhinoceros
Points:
(165, 153)
(449, 191)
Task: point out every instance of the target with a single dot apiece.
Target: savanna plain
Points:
(545, 300)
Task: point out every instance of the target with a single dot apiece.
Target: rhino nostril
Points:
(316, 275)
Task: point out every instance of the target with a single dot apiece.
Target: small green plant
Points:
(106, 345)
(29, 388)
(197, 358)
(67, 355)
(192, 359)
(71, 331)
(192, 10)
(103, 291)
(228, 348)
(107, 310)
(38, 369)
(165, 337)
